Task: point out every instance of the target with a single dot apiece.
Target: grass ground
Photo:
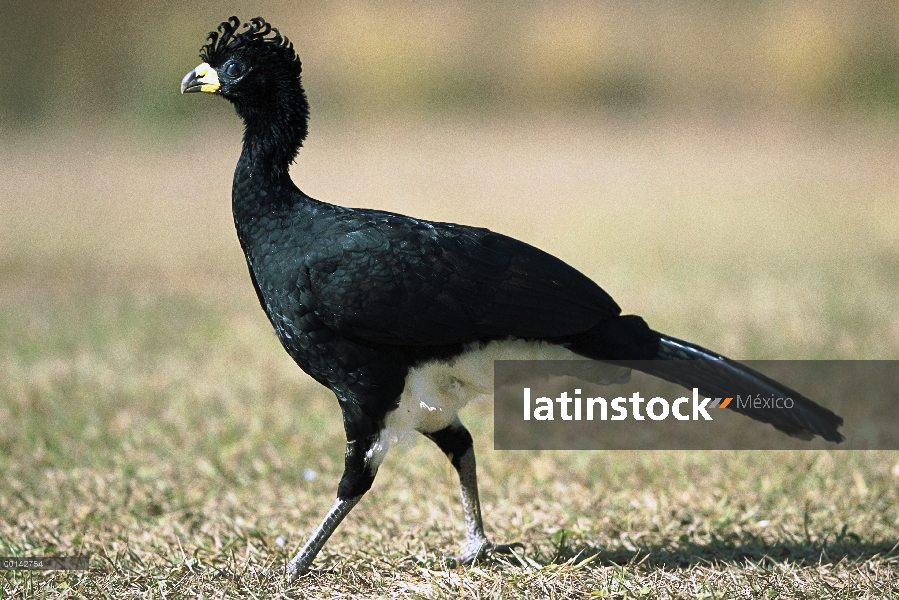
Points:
(150, 418)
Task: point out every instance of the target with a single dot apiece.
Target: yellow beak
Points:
(202, 79)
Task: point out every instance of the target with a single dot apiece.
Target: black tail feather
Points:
(627, 338)
(718, 376)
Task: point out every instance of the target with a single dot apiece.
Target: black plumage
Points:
(363, 299)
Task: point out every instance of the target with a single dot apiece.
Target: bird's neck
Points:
(274, 130)
(267, 154)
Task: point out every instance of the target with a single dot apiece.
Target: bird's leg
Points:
(358, 475)
(303, 560)
(456, 443)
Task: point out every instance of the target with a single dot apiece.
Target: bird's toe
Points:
(481, 549)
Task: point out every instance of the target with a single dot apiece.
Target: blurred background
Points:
(744, 149)
(100, 60)
(726, 169)
(747, 149)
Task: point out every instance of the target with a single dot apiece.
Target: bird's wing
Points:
(395, 280)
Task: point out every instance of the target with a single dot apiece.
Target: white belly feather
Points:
(436, 391)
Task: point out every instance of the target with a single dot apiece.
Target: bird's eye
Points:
(233, 70)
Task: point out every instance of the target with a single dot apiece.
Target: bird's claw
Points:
(475, 551)
(294, 572)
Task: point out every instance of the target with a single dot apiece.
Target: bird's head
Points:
(257, 70)
(244, 66)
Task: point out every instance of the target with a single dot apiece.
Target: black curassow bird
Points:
(385, 309)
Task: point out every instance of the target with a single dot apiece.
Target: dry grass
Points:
(151, 419)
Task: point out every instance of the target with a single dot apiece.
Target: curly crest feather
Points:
(226, 39)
